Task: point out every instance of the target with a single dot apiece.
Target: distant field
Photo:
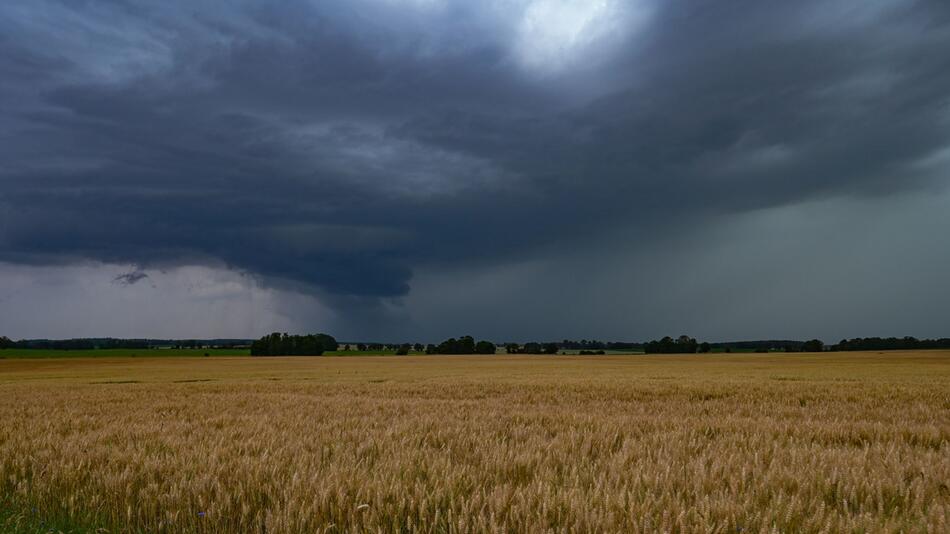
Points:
(119, 353)
(159, 353)
(844, 442)
(616, 352)
(367, 353)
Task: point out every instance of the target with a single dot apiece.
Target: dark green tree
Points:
(667, 345)
(484, 347)
(532, 348)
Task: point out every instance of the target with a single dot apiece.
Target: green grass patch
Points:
(25, 520)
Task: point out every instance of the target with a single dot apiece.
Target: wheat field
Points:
(723, 443)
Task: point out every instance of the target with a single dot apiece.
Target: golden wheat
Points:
(731, 443)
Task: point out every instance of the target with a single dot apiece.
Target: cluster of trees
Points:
(593, 345)
(764, 345)
(403, 349)
(688, 345)
(462, 345)
(812, 345)
(381, 347)
(278, 344)
(532, 348)
(891, 343)
(681, 345)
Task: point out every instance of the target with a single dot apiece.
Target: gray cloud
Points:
(132, 277)
(344, 149)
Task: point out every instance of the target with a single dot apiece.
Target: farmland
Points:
(725, 443)
(159, 353)
(118, 353)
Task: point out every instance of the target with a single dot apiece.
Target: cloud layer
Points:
(356, 151)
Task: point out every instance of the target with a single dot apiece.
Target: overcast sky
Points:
(511, 169)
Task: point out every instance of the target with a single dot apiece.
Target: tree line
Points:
(316, 344)
(762, 345)
(462, 345)
(594, 345)
(532, 348)
(687, 345)
(890, 343)
(681, 345)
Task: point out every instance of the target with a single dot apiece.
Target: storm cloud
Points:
(384, 157)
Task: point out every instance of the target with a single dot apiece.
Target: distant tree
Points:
(550, 348)
(327, 341)
(512, 348)
(687, 344)
(704, 347)
(403, 349)
(449, 346)
(484, 347)
(361, 347)
(532, 348)
(813, 345)
(466, 345)
(667, 345)
(418, 347)
(6, 343)
(462, 345)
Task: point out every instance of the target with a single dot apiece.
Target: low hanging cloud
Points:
(344, 149)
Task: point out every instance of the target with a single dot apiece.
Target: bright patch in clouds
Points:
(556, 33)
(97, 299)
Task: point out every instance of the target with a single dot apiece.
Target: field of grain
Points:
(719, 443)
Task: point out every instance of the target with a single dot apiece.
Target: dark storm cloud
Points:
(339, 146)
